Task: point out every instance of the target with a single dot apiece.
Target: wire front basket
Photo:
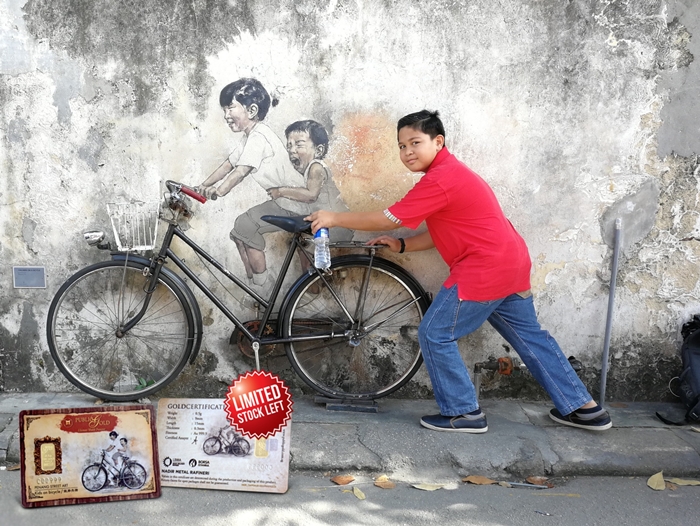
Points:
(135, 224)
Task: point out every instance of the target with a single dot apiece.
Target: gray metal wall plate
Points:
(29, 277)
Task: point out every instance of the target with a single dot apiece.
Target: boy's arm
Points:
(218, 174)
(351, 220)
(232, 179)
(308, 194)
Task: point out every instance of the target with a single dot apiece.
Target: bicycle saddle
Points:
(290, 224)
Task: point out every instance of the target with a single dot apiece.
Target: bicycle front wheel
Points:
(85, 338)
(366, 318)
(133, 475)
(94, 477)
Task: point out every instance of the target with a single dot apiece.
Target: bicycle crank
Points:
(244, 345)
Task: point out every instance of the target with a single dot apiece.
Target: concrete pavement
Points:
(521, 441)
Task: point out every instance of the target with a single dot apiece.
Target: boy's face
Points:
(417, 150)
(302, 150)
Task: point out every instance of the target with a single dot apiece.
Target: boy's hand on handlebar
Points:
(207, 191)
(321, 219)
(392, 243)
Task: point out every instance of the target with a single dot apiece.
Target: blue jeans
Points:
(514, 317)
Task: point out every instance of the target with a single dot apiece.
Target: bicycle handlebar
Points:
(193, 194)
(179, 187)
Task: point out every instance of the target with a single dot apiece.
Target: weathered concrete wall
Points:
(575, 111)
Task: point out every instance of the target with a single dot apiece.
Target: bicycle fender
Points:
(196, 313)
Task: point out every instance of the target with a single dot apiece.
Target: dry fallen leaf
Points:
(671, 486)
(478, 479)
(696, 429)
(342, 480)
(13, 468)
(539, 481)
(427, 487)
(383, 482)
(358, 493)
(656, 482)
(504, 484)
(683, 482)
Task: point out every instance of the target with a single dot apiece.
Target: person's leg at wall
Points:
(447, 320)
(516, 320)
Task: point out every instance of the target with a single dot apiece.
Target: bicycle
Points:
(124, 328)
(234, 443)
(95, 476)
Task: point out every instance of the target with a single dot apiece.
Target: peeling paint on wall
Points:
(568, 109)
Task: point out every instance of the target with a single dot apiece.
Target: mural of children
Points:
(262, 155)
(307, 145)
(121, 455)
(112, 454)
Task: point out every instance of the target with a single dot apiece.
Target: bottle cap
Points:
(321, 232)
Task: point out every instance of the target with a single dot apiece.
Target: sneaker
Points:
(459, 423)
(595, 419)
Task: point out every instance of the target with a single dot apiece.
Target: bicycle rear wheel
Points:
(84, 339)
(368, 341)
(133, 475)
(240, 447)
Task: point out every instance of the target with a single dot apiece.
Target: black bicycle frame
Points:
(165, 253)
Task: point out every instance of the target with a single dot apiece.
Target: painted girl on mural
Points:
(262, 155)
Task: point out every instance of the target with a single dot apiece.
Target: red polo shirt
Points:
(487, 257)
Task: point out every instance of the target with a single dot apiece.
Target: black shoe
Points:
(459, 423)
(594, 419)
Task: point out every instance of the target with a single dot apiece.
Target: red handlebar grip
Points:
(193, 194)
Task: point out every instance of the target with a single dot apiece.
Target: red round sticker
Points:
(258, 404)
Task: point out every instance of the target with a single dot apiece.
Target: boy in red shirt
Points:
(489, 280)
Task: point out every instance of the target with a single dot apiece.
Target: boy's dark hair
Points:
(248, 91)
(113, 433)
(316, 132)
(424, 121)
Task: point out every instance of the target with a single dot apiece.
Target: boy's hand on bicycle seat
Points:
(321, 219)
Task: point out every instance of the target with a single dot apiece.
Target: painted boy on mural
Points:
(307, 145)
(489, 281)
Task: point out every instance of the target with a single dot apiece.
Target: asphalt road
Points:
(313, 500)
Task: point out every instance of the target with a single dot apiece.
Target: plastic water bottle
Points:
(322, 252)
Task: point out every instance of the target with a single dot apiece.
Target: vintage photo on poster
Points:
(74, 456)
(199, 449)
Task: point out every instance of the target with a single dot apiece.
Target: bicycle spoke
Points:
(373, 357)
(85, 338)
